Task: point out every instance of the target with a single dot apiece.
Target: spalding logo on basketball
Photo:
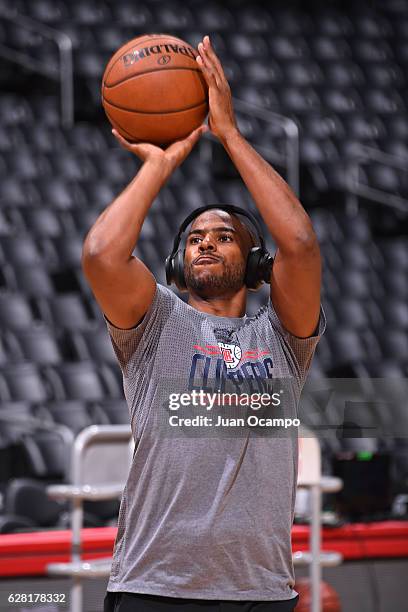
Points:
(140, 54)
(153, 90)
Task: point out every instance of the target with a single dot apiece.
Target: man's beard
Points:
(229, 280)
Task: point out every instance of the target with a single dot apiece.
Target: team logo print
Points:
(231, 353)
(163, 60)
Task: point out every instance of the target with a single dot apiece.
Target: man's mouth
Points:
(205, 260)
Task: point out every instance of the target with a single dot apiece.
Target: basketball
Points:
(153, 90)
(330, 599)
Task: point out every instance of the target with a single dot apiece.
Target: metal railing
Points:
(355, 188)
(63, 74)
(289, 159)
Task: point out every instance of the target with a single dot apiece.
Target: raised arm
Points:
(296, 272)
(122, 285)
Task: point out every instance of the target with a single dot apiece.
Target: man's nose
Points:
(207, 244)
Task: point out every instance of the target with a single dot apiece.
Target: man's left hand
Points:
(221, 118)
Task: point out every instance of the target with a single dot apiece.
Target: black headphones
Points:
(259, 261)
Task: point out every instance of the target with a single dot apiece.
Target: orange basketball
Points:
(329, 598)
(153, 89)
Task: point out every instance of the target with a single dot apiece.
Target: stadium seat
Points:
(367, 50)
(128, 13)
(95, 345)
(342, 101)
(254, 19)
(25, 166)
(325, 48)
(21, 250)
(90, 12)
(395, 313)
(115, 167)
(69, 249)
(397, 126)
(213, 17)
(395, 253)
(384, 75)
(100, 192)
(340, 74)
(14, 110)
(317, 152)
(13, 418)
(383, 102)
(394, 344)
(299, 101)
(333, 23)
(68, 311)
(290, 21)
(84, 381)
(247, 46)
(27, 498)
(355, 283)
(175, 16)
(351, 312)
(264, 73)
(61, 194)
(74, 166)
(42, 222)
(71, 413)
(15, 312)
(47, 11)
(45, 139)
(363, 127)
(116, 410)
(26, 382)
(355, 255)
(395, 283)
(33, 281)
(38, 345)
(346, 346)
(10, 523)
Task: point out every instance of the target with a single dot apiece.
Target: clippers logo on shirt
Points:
(231, 353)
(213, 365)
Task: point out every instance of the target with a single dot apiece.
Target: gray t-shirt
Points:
(206, 517)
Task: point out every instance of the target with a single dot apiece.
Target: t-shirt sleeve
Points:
(301, 348)
(129, 343)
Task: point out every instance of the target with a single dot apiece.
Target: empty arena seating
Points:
(340, 74)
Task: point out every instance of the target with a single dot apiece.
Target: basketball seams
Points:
(134, 76)
(160, 112)
(116, 124)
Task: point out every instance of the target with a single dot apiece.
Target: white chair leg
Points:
(315, 546)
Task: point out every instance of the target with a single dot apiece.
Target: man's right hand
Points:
(171, 157)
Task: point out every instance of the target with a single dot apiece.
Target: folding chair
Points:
(310, 477)
(100, 462)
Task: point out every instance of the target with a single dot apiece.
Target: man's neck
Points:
(221, 306)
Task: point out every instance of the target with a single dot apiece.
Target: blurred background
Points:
(321, 91)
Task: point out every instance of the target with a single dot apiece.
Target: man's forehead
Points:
(218, 218)
(209, 216)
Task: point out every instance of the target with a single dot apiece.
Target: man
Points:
(205, 523)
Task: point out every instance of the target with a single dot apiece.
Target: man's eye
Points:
(225, 237)
(194, 240)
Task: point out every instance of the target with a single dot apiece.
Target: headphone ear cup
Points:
(178, 270)
(168, 266)
(252, 275)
